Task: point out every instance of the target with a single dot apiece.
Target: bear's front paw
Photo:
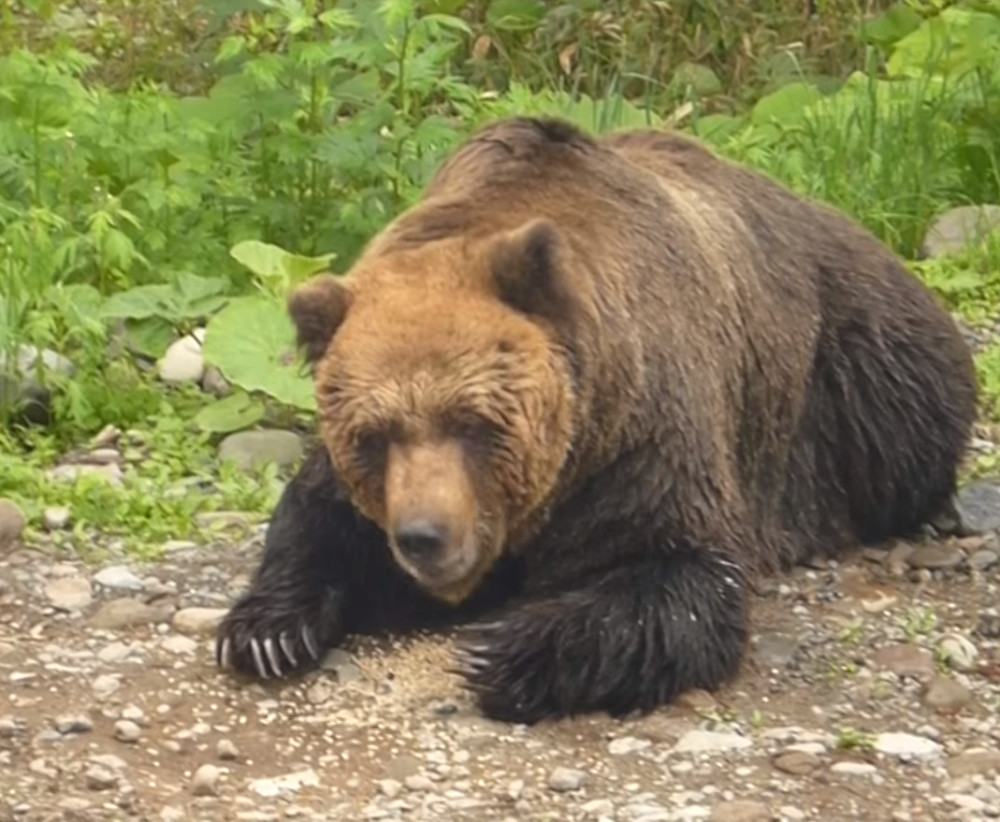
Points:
(268, 637)
(513, 670)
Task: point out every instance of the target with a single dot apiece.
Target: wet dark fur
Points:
(757, 379)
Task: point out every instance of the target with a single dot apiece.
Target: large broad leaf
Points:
(150, 336)
(232, 413)
(278, 269)
(891, 26)
(953, 43)
(252, 342)
(786, 106)
(139, 303)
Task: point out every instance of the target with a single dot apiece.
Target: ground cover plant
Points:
(174, 168)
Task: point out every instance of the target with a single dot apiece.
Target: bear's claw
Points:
(261, 639)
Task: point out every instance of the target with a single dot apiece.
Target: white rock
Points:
(907, 746)
(198, 621)
(69, 593)
(127, 731)
(250, 449)
(178, 644)
(184, 360)
(958, 652)
(118, 577)
(287, 783)
(711, 742)
(567, 779)
(205, 781)
(627, 745)
(56, 517)
(854, 768)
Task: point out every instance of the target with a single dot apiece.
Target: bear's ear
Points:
(528, 270)
(317, 308)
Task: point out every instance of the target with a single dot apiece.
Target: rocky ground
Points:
(872, 693)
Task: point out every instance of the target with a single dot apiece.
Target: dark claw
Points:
(271, 650)
(310, 643)
(258, 659)
(286, 646)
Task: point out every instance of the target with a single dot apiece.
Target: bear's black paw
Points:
(264, 637)
(514, 669)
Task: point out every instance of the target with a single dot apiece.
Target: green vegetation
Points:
(177, 165)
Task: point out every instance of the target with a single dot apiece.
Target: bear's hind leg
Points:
(632, 638)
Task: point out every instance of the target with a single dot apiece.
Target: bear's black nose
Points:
(420, 540)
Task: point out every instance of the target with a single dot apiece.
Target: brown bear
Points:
(599, 384)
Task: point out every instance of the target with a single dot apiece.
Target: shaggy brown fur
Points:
(629, 371)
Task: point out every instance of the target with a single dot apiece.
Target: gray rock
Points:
(699, 741)
(106, 684)
(250, 449)
(627, 745)
(178, 644)
(741, 810)
(984, 559)
(198, 621)
(907, 747)
(958, 652)
(974, 761)
(205, 781)
(183, 360)
(286, 783)
(854, 768)
(904, 659)
(567, 779)
(73, 724)
(226, 750)
(960, 227)
(215, 384)
(12, 522)
(69, 593)
(71, 472)
(100, 778)
(978, 507)
(128, 613)
(127, 731)
(598, 808)
(946, 695)
(56, 517)
(118, 577)
(936, 556)
(775, 650)
(796, 762)
(21, 387)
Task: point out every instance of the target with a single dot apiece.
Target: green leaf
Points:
(786, 106)
(701, 79)
(150, 337)
(232, 413)
(515, 15)
(138, 303)
(891, 26)
(279, 270)
(252, 342)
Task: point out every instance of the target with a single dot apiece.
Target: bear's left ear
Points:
(528, 268)
(317, 309)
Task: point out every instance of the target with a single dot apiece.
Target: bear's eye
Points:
(371, 447)
(476, 430)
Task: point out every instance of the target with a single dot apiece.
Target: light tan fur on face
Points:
(438, 402)
(431, 482)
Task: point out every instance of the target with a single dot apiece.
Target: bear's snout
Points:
(421, 541)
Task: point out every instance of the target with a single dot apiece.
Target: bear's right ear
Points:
(529, 271)
(317, 309)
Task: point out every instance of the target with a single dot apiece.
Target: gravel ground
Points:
(872, 693)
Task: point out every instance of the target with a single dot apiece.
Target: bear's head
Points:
(445, 390)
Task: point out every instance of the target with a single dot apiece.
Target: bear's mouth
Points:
(455, 573)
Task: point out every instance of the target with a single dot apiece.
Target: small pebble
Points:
(205, 781)
(127, 731)
(567, 779)
(226, 750)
